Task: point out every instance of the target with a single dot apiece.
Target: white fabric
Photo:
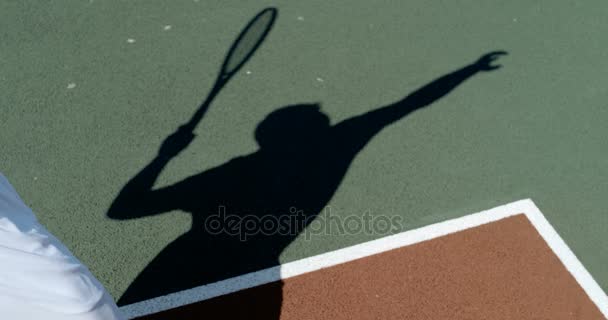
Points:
(39, 277)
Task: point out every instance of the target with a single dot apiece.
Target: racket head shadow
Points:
(248, 41)
(242, 49)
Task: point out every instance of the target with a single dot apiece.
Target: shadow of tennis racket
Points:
(243, 48)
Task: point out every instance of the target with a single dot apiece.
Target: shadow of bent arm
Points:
(137, 199)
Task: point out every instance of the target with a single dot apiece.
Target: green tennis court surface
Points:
(90, 89)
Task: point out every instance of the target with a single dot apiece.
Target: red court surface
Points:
(500, 270)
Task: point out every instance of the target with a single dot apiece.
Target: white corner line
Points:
(568, 259)
(328, 259)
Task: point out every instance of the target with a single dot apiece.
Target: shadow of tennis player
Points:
(300, 164)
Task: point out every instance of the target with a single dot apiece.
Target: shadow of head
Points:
(292, 127)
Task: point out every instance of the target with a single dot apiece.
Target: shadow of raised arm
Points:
(360, 129)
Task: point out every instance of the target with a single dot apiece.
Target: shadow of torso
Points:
(247, 211)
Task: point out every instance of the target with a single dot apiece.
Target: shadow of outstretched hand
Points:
(485, 62)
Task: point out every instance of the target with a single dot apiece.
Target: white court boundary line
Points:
(328, 259)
